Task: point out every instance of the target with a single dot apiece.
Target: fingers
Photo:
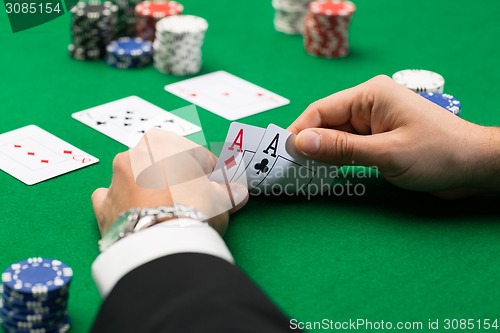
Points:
(345, 108)
(329, 112)
(98, 197)
(240, 196)
(349, 110)
(97, 201)
(340, 148)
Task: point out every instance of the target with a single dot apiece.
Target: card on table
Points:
(277, 166)
(239, 148)
(127, 119)
(226, 95)
(33, 155)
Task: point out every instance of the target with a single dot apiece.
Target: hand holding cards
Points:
(267, 161)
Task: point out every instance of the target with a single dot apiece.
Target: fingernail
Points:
(309, 142)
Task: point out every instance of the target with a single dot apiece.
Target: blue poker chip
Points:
(128, 53)
(46, 324)
(446, 101)
(38, 277)
(31, 307)
(127, 46)
(20, 297)
(128, 62)
(34, 297)
(40, 319)
(61, 327)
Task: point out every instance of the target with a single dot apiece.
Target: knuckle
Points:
(341, 145)
(119, 161)
(392, 154)
(381, 78)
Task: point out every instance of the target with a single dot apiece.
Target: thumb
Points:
(341, 148)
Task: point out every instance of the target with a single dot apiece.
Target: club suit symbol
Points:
(262, 166)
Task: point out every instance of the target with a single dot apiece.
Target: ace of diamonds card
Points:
(239, 148)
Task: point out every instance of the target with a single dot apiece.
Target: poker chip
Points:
(420, 80)
(20, 297)
(34, 296)
(62, 327)
(126, 17)
(289, 15)
(129, 53)
(149, 13)
(326, 28)
(37, 276)
(177, 45)
(446, 101)
(93, 26)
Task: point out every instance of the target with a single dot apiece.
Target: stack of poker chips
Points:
(289, 15)
(326, 28)
(420, 80)
(35, 297)
(126, 17)
(149, 13)
(129, 53)
(429, 85)
(92, 28)
(178, 42)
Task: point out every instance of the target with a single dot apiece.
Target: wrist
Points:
(135, 220)
(486, 164)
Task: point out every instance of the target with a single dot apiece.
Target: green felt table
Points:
(389, 254)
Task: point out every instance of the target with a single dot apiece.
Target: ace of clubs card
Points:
(278, 164)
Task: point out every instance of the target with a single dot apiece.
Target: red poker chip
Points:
(332, 8)
(159, 9)
(149, 13)
(326, 28)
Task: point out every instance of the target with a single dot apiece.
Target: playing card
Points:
(33, 155)
(127, 119)
(239, 148)
(226, 95)
(278, 168)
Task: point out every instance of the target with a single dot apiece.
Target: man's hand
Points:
(414, 143)
(166, 169)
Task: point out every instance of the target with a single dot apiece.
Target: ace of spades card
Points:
(239, 148)
(277, 167)
(127, 119)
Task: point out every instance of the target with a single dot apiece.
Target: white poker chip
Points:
(420, 80)
(177, 45)
(182, 24)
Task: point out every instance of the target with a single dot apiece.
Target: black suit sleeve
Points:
(188, 293)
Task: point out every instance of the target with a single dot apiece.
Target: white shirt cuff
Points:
(179, 236)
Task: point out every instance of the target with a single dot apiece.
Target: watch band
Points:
(134, 220)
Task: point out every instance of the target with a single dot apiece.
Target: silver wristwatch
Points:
(134, 220)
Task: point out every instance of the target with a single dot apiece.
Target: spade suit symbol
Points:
(262, 166)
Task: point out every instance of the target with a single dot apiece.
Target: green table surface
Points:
(389, 255)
